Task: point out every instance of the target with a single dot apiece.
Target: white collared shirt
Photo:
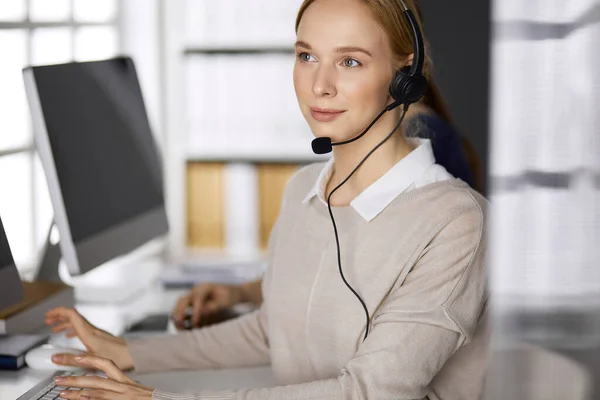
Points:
(416, 170)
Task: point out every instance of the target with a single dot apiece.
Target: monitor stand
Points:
(48, 263)
(116, 281)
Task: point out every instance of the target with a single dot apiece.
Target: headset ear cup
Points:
(407, 89)
(415, 88)
(398, 83)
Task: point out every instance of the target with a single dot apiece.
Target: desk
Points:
(14, 383)
(115, 318)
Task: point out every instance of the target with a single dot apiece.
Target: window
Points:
(37, 32)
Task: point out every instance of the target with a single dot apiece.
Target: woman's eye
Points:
(305, 57)
(351, 63)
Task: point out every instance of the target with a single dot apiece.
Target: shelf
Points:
(255, 50)
(254, 159)
(269, 157)
(16, 150)
(26, 24)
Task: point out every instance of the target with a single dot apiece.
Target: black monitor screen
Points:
(11, 289)
(6, 259)
(106, 158)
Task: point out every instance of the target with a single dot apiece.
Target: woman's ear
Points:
(410, 59)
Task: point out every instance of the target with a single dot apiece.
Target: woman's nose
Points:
(324, 82)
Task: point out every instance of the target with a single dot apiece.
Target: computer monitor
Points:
(101, 162)
(11, 289)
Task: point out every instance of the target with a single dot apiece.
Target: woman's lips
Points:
(325, 114)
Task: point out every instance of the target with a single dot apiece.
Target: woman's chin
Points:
(333, 134)
(333, 138)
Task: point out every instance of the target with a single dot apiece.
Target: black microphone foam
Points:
(322, 145)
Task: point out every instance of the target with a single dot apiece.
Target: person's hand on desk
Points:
(95, 340)
(116, 385)
(206, 299)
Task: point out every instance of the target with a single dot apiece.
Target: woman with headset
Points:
(376, 283)
(429, 118)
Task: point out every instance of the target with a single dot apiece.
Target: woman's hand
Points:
(117, 386)
(96, 341)
(206, 299)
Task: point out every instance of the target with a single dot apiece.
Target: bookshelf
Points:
(230, 50)
(239, 133)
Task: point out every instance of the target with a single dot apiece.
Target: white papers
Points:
(244, 105)
(241, 23)
(241, 211)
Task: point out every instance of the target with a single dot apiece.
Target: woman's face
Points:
(343, 68)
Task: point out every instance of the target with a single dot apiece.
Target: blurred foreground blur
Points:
(545, 195)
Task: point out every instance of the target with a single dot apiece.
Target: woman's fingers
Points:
(69, 317)
(212, 306)
(198, 303)
(103, 364)
(63, 326)
(80, 326)
(94, 395)
(89, 382)
(58, 313)
(89, 395)
(117, 386)
(66, 359)
(55, 321)
(179, 311)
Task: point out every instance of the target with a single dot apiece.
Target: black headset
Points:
(408, 86)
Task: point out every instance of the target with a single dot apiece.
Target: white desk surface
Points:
(115, 318)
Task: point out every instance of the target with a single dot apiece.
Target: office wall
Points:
(459, 34)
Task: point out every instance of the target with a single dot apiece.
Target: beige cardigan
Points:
(420, 268)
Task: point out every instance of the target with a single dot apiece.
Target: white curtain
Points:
(545, 152)
(545, 175)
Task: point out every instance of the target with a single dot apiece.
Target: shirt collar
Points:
(318, 189)
(374, 199)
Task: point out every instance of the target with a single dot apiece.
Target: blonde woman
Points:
(411, 240)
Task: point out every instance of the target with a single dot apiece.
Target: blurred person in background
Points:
(413, 248)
